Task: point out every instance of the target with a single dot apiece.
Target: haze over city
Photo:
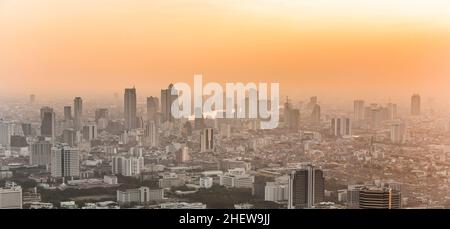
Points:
(346, 49)
(92, 105)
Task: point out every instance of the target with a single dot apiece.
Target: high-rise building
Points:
(48, 126)
(182, 155)
(11, 197)
(166, 104)
(152, 108)
(315, 114)
(379, 198)
(67, 113)
(293, 120)
(397, 132)
(5, 133)
(45, 109)
(69, 137)
(130, 108)
(78, 112)
(127, 166)
(101, 113)
(27, 129)
(306, 187)
(41, 153)
(415, 104)
(358, 110)
(392, 111)
(341, 127)
(65, 161)
(207, 140)
(151, 134)
(89, 132)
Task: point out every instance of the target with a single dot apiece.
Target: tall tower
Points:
(415, 104)
(152, 108)
(166, 104)
(67, 113)
(130, 108)
(358, 106)
(315, 115)
(341, 127)
(151, 134)
(78, 112)
(306, 187)
(207, 140)
(48, 125)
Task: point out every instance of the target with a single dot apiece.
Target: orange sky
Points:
(351, 49)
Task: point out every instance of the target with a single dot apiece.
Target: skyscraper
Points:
(151, 134)
(152, 108)
(45, 109)
(415, 104)
(392, 111)
(48, 125)
(67, 113)
(166, 104)
(130, 108)
(358, 106)
(306, 187)
(69, 137)
(397, 132)
(65, 161)
(207, 140)
(41, 152)
(78, 112)
(315, 114)
(293, 120)
(89, 132)
(341, 127)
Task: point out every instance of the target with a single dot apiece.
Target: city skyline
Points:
(196, 104)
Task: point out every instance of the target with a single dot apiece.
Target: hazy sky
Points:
(347, 48)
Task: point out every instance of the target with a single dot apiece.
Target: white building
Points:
(237, 178)
(397, 133)
(206, 182)
(11, 197)
(65, 161)
(139, 195)
(127, 166)
(276, 192)
(110, 179)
